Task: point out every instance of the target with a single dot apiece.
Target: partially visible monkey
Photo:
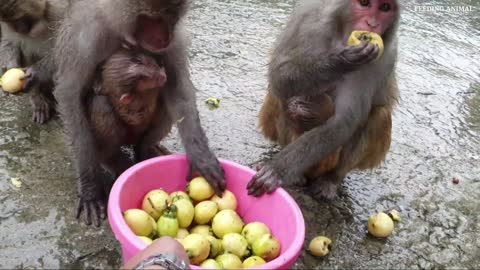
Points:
(151, 25)
(28, 29)
(125, 100)
(328, 103)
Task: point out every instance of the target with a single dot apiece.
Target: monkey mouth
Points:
(153, 33)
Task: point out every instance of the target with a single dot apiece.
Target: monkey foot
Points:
(41, 109)
(91, 209)
(323, 189)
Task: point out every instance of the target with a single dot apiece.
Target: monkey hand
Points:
(30, 79)
(208, 166)
(91, 202)
(352, 57)
(268, 179)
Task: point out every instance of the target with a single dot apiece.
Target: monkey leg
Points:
(305, 113)
(285, 125)
(274, 123)
(366, 150)
(269, 117)
(372, 144)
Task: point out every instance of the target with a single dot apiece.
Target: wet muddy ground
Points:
(436, 137)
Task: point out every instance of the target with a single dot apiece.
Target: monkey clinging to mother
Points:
(329, 104)
(154, 28)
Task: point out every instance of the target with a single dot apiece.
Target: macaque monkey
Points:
(329, 104)
(121, 109)
(94, 31)
(28, 28)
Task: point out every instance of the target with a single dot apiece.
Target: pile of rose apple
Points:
(212, 233)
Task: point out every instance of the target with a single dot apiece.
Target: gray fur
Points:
(310, 59)
(81, 47)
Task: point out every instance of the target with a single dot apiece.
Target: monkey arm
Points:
(288, 167)
(313, 71)
(181, 104)
(311, 57)
(39, 73)
(79, 49)
(350, 112)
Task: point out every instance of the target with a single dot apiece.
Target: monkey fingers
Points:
(30, 79)
(211, 170)
(259, 165)
(41, 109)
(265, 181)
(359, 55)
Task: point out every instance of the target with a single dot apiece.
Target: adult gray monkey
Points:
(329, 104)
(91, 33)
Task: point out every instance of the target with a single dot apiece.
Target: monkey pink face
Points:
(373, 15)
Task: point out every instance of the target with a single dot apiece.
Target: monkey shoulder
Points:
(82, 43)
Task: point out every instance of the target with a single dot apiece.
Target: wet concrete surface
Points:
(436, 137)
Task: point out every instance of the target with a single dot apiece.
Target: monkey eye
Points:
(364, 2)
(385, 7)
(137, 60)
(23, 25)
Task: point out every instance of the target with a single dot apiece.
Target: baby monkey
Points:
(125, 100)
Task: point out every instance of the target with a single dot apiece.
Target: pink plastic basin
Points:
(278, 210)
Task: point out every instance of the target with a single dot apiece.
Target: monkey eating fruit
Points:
(330, 108)
(12, 80)
(358, 36)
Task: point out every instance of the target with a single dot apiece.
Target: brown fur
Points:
(369, 150)
(120, 76)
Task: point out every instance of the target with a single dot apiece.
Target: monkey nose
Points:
(372, 25)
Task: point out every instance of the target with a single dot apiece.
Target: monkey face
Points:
(25, 17)
(153, 34)
(155, 25)
(130, 78)
(373, 15)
